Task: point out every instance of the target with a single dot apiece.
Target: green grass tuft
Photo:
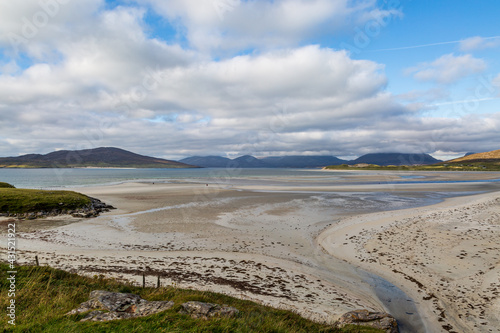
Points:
(14, 200)
(45, 294)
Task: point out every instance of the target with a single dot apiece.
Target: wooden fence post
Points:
(36, 260)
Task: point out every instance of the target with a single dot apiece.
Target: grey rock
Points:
(118, 306)
(207, 310)
(380, 320)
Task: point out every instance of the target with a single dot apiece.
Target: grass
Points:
(15, 200)
(45, 294)
(5, 185)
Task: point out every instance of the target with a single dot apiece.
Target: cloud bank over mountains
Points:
(181, 78)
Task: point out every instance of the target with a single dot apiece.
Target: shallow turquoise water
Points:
(43, 178)
(54, 178)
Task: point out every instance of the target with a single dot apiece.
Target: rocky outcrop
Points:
(380, 320)
(207, 310)
(93, 210)
(114, 306)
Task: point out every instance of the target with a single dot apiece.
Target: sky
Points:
(179, 78)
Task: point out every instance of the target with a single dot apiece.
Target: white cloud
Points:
(429, 95)
(38, 27)
(237, 100)
(496, 81)
(234, 25)
(479, 43)
(96, 78)
(448, 68)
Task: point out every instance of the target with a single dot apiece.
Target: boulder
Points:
(207, 310)
(118, 306)
(380, 320)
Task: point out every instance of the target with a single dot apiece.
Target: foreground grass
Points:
(44, 295)
(15, 200)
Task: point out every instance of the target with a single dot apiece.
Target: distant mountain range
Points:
(99, 157)
(308, 161)
(119, 158)
(248, 161)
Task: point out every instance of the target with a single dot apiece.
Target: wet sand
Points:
(252, 245)
(284, 243)
(446, 257)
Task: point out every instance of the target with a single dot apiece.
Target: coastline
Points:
(202, 241)
(236, 240)
(423, 250)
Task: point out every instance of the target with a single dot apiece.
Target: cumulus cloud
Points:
(37, 28)
(448, 68)
(232, 104)
(92, 76)
(479, 43)
(229, 25)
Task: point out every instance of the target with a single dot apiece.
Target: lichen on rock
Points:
(380, 320)
(111, 306)
(207, 310)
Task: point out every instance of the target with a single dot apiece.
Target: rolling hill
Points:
(106, 157)
(487, 157)
(384, 159)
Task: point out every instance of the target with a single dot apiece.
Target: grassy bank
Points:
(5, 185)
(44, 295)
(15, 200)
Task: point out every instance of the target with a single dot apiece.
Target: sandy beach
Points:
(307, 246)
(446, 257)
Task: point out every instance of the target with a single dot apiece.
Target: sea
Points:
(77, 177)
